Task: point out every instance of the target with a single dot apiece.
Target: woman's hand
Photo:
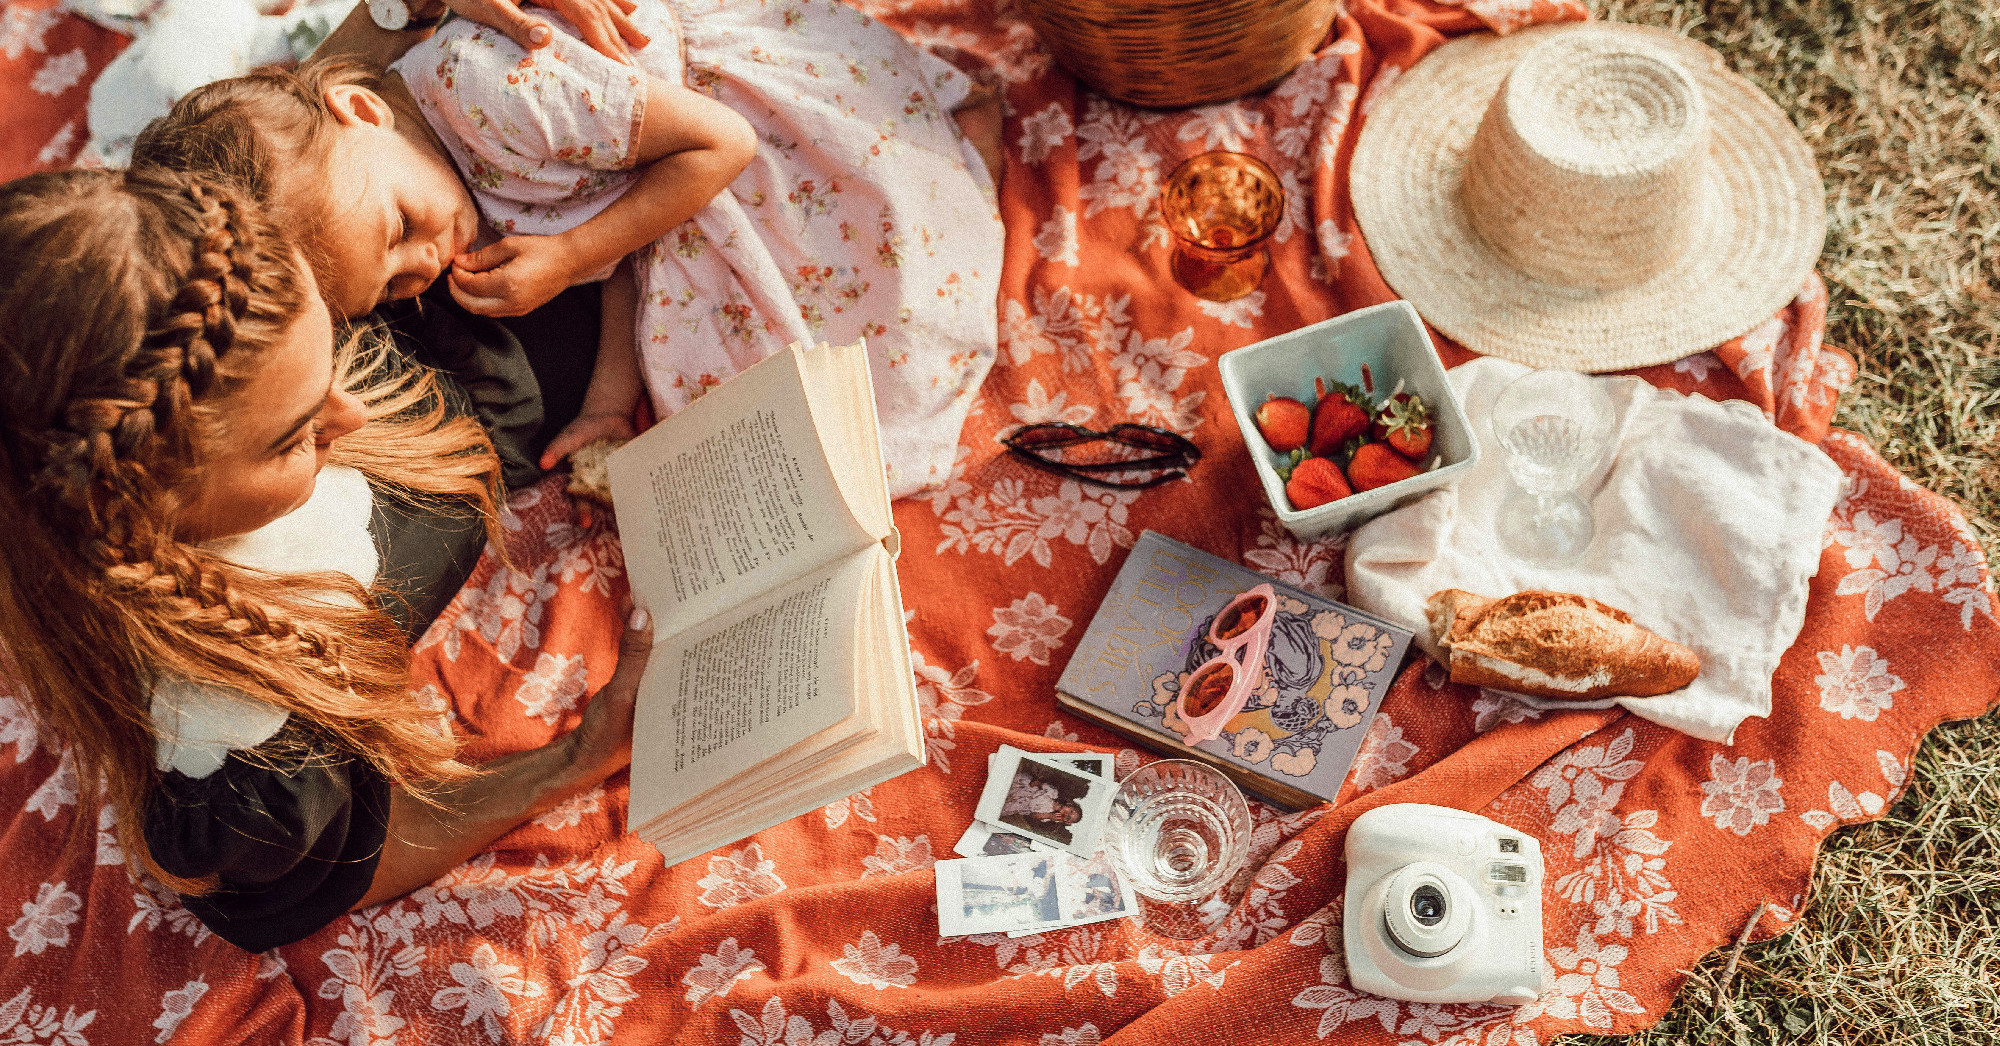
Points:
(601, 745)
(513, 277)
(428, 839)
(603, 24)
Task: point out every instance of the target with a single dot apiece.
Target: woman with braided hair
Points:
(185, 591)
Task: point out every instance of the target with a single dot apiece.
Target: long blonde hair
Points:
(121, 296)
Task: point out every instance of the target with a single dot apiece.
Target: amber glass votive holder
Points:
(1221, 208)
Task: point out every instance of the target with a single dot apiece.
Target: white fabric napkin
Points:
(1709, 529)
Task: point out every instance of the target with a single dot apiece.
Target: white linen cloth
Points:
(1709, 529)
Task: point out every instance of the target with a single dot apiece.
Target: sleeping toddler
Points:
(796, 177)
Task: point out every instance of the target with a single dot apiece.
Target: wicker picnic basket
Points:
(1171, 53)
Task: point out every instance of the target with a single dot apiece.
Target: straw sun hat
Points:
(1588, 196)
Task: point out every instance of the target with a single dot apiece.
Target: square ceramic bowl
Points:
(1391, 340)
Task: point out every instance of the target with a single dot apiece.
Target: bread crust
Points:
(590, 471)
(1555, 645)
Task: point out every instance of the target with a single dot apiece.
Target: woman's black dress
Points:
(293, 826)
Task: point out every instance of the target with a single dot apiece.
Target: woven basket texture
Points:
(1167, 54)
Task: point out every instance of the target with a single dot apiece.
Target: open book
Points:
(757, 531)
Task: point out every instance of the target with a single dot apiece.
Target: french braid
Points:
(102, 458)
(104, 436)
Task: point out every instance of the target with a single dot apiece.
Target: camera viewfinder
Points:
(1510, 845)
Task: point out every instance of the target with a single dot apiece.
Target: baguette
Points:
(1555, 645)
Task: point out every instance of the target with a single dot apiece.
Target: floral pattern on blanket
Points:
(821, 930)
(48, 60)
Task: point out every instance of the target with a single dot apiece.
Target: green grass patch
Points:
(1899, 940)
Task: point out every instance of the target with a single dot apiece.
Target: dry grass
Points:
(1900, 942)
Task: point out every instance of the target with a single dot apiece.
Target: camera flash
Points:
(1507, 873)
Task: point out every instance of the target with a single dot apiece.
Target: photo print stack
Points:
(1031, 860)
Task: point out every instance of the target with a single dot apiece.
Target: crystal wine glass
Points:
(1178, 831)
(1554, 424)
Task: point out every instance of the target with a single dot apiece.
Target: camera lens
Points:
(1426, 909)
(1427, 904)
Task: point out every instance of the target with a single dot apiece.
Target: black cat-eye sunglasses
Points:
(1125, 455)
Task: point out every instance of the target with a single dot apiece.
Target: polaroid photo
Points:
(997, 894)
(1093, 891)
(984, 840)
(1096, 764)
(1046, 801)
(1088, 892)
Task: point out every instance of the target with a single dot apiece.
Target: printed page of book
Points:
(678, 842)
(732, 497)
(749, 807)
(749, 683)
(884, 737)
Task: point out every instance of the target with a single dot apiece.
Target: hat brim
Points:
(1751, 255)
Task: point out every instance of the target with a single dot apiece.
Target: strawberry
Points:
(1341, 414)
(1377, 464)
(1314, 482)
(1283, 422)
(1404, 422)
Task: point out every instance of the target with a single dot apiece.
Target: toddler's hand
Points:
(585, 428)
(512, 277)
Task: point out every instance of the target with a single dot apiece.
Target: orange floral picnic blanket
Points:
(821, 931)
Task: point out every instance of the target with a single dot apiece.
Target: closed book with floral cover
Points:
(1325, 672)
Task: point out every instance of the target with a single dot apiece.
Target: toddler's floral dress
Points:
(864, 214)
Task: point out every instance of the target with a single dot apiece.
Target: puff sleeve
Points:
(292, 827)
(543, 139)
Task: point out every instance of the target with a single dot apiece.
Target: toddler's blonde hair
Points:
(270, 132)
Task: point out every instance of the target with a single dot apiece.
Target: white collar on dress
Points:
(328, 532)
